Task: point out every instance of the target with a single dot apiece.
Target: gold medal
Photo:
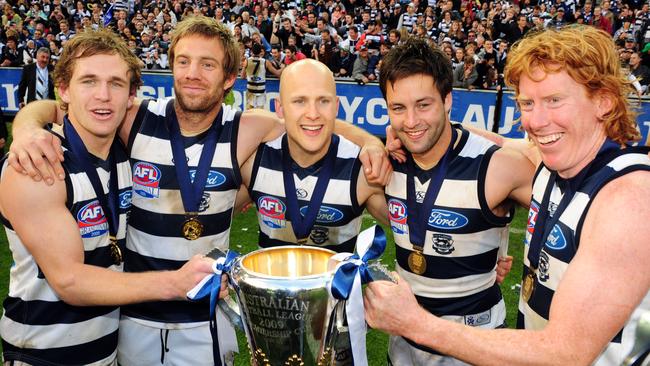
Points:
(528, 286)
(417, 262)
(192, 228)
(116, 252)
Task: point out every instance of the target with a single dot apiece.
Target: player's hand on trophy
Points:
(392, 307)
(376, 165)
(394, 145)
(504, 265)
(38, 154)
(192, 272)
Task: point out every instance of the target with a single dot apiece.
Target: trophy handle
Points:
(231, 310)
(641, 346)
(228, 306)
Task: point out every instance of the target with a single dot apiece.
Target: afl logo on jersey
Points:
(91, 220)
(146, 179)
(556, 239)
(532, 216)
(325, 215)
(214, 179)
(271, 212)
(443, 219)
(397, 214)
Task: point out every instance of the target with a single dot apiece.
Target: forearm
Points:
(36, 115)
(88, 285)
(479, 346)
(355, 134)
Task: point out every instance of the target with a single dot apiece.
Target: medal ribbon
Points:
(211, 285)
(417, 223)
(192, 190)
(350, 274)
(302, 226)
(108, 202)
(542, 228)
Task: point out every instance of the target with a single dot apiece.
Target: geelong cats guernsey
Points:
(154, 234)
(562, 244)
(338, 220)
(463, 237)
(37, 327)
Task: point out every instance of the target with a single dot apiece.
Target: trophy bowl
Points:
(285, 305)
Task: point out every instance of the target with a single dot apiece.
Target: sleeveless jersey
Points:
(339, 218)
(562, 245)
(256, 74)
(154, 236)
(38, 327)
(463, 236)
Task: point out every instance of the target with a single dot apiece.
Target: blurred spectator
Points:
(36, 82)
(345, 62)
(360, 67)
(640, 71)
(466, 76)
(12, 55)
(29, 52)
(291, 54)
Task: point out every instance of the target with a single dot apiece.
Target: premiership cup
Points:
(288, 314)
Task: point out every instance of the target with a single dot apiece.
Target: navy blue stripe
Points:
(347, 246)
(169, 225)
(452, 267)
(485, 208)
(101, 256)
(152, 127)
(39, 312)
(520, 320)
(354, 178)
(135, 262)
(170, 311)
(137, 124)
(74, 355)
(472, 304)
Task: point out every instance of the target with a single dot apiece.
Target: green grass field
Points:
(244, 239)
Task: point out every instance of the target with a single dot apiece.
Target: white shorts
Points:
(255, 100)
(141, 344)
(402, 353)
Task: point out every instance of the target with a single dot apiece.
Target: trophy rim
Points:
(285, 247)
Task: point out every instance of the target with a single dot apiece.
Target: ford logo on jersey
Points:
(556, 239)
(325, 215)
(91, 220)
(146, 179)
(214, 179)
(443, 219)
(397, 215)
(125, 199)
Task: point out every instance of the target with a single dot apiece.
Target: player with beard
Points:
(172, 144)
(67, 239)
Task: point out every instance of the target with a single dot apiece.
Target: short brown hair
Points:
(90, 43)
(589, 56)
(209, 28)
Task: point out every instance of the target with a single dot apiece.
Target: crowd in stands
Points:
(349, 36)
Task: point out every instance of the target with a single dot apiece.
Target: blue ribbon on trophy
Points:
(351, 273)
(211, 285)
